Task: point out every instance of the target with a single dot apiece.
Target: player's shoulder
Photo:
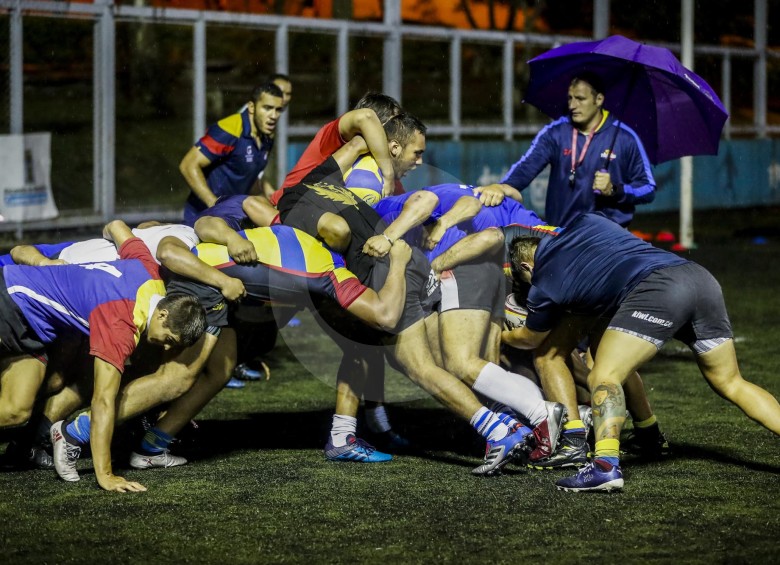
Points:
(232, 125)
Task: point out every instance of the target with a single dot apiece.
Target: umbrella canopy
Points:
(672, 109)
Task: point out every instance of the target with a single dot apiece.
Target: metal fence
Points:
(123, 115)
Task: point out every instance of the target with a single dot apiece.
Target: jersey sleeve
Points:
(112, 334)
(533, 161)
(134, 248)
(543, 313)
(347, 287)
(220, 139)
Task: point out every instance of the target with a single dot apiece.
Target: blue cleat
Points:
(499, 453)
(235, 383)
(357, 451)
(599, 475)
(244, 372)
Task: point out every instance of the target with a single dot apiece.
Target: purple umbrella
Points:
(672, 109)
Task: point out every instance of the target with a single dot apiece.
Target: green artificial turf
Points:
(258, 489)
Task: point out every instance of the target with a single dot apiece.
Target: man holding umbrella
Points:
(597, 163)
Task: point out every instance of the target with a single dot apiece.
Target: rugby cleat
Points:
(498, 453)
(235, 383)
(356, 450)
(392, 441)
(572, 452)
(599, 475)
(546, 434)
(65, 454)
(244, 372)
(646, 444)
(17, 456)
(161, 460)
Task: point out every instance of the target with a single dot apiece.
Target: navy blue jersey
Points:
(588, 269)
(236, 159)
(629, 169)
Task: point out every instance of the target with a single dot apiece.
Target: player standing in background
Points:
(229, 157)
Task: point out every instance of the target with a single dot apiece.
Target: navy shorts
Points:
(16, 335)
(684, 302)
(422, 294)
(474, 286)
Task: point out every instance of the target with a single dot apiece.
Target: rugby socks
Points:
(651, 421)
(574, 427)
(376, 419)
(508, 417)
(155, 442)
(607, 450)
(488, 425)
(647, 428)
(42, 430)
(514, 390)
(78, 431)
(341, 428)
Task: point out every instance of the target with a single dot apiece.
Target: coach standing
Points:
(577, 147)
(229, 157)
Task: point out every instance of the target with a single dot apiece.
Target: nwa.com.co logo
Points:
(651, 319)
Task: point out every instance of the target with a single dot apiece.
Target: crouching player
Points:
(113, 303)
(597, 268)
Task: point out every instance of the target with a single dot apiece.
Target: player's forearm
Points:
(416, 210)
(465, 208)
(214, 230)
(118, 232)
(523, 338)
(196, 180)
(392, 295)
(181, 261)
(469, 248)
(28, 255)
(372, 131)
(107, 379)
(512, 192)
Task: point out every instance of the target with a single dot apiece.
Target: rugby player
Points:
(230, 156)
(114, 304)
(597, 268)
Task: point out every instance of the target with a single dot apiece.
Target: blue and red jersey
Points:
(111, 302)
(629, 169)
(236, 160)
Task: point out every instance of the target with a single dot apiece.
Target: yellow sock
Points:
(573, 425)
(646, 423)
(607, 448)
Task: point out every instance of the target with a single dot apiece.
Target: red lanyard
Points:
(574, 162)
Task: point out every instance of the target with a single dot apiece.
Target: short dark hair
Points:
(384, 106)
(266, 88)
(186, 317)
(278, 76)
(401, 128)
(521, 249)
(595, 81)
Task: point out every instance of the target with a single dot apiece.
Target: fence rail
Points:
(106, 15)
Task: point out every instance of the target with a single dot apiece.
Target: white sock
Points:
(514, 390)
(488, 425)
(342, 427)
(377, 421)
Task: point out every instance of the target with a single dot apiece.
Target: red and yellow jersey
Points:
(111, 302)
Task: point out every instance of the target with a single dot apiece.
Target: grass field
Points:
(258, 489)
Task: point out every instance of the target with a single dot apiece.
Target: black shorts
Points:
(16, 335)
(684, 302)
(422, 293)
(474, 286)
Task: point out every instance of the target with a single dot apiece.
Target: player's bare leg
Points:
(719, 367)
(20, 380)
